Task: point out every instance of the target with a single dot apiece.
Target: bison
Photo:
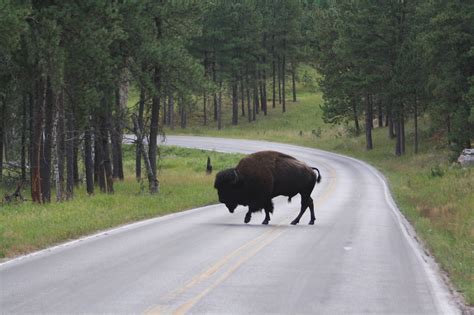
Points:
(263, 175)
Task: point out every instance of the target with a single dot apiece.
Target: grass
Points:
(183, 184)
(435, 195)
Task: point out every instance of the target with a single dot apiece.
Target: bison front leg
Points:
(254, 207)
(268, 210)
(248, 216)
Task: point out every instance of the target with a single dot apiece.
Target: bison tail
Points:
(318, 179)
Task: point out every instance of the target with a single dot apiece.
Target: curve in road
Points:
(360, 257)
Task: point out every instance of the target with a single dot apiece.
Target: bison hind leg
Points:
(306, 202)
(311, 209)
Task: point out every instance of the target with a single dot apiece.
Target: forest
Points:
(67, 69)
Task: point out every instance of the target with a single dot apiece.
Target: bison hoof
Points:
(247, 219)
(311, 222)
(265, 222)
(294, 222)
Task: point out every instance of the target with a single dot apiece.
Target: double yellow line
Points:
(250, 249)
(260, 242)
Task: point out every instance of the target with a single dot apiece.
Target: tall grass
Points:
(435, 195)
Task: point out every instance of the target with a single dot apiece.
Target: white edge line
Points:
(115, 229)
(438, 287)
(105, 233)
(440, 290)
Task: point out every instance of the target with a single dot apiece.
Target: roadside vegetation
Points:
(184, 184)
(76, 76)
(433, 192)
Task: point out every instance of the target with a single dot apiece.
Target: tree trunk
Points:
(182, 110)
(242, 95)
(249, 110)
(391, 127)
(153, 182)
(258, 98)
(235, 104)
(279, 80)
(164, 120)
(77, 180)
(380, 114)
(117, 135)
(214, 79)
(155, 111)
(257, 93)
(75, 143)
(255, 103)
(283, 96)
(171, 111)
(368, 122)
(23, 138)
(99, 178)
(293, 80)
(138, 152)
(398, 143)
(204, 109)
(60, 147)
(416, 125)
(88, 161)
(31, 125)
(402, 133)
(107, 166)
(263, 83)
(2, 123)
(36, 142)
(70, 154)
(355, 115)
(113, 136)
(262, 94)
(206, 76)
(274, 81)
(219, 108)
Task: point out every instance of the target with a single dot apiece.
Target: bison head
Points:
(227, 184)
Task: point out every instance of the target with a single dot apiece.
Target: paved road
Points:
(359, 257)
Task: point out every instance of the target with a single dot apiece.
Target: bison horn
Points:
(236, 177)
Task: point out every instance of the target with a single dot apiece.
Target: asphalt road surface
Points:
(359, 257)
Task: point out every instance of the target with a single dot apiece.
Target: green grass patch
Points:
(435, 195)
(25, 227)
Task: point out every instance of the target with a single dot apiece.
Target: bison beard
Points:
(263, 175)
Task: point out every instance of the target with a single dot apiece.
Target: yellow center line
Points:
(330, 189)
(214, 268)
(190, 303)
(262, 241)
(211, 270)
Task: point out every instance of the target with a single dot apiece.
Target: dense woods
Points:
(389, 62)
(66, 69)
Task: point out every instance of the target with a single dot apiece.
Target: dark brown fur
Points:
(263, 175)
